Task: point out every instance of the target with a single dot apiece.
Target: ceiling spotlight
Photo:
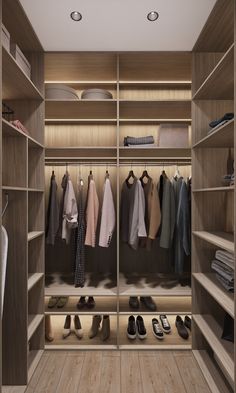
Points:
(76, 16)
(152, 16)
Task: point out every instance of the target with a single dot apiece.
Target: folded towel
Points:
(225, 257)
(142, 140)
(226, 284)
(228, 275)
(147, 145)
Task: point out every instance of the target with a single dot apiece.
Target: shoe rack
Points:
(148, 89)
(22, 162)
(213, 206)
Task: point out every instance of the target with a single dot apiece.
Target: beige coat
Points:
(91, 215)
(154, 211)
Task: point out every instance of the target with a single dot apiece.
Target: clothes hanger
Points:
(81, 182)
(177, 173)
(130, 175)
(145, 174)
(163, 173)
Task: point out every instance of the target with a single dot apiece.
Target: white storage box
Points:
(21, 59)
(5, 38)
(57, 91)
(96, 94)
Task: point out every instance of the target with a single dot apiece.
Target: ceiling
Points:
(118, 25)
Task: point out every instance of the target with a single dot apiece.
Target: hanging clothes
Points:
(138, 228)
(152, 211)
(52, 212)
(183, 227)
(108, 218)
(126, 208)
(91, 214)
(63, 185)
(177, 248)
(70, 212)
(168, 215)
(80, 240)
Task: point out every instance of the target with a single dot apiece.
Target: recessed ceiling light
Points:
(76, 16)
(152, 16)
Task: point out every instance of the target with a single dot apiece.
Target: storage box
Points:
(57, 91)
(21, 59)
(5, 38)
(96, 94)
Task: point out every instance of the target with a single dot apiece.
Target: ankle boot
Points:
(105, 331)
(48, 329)
(95, 326)
(67, 327)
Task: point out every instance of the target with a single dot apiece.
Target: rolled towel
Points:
(142, 140)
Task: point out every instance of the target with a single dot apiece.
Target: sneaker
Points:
(131, 329)
(133, 302)
(67, 325)
(142, 333)
(156, 328)
(188, 322)
(81, 303)
(91, 302)
(78, 327)
(165, 324)
(179, 323)
(148, 303)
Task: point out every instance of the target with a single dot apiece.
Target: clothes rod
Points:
(89, 164)
(133, 163)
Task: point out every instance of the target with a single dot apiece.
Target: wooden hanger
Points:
(130, 175)
(107, 174)
(145, 174)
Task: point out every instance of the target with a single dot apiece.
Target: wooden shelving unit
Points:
(22, 178)
(213, 95)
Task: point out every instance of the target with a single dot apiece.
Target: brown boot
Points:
(105, 331)
(48, 329)
(95, 326)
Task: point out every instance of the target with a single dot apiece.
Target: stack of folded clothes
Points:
(142, 141)
(223, 266)
(219, 122)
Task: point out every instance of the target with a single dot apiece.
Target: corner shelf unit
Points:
(22, 166)
(148, 90)
(213, 206)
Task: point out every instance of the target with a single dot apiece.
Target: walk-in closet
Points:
(117, 201)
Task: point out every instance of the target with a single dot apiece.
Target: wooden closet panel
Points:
(80, 66)
(203, 64)
(155, 110)
(14, 161)
(154, 93)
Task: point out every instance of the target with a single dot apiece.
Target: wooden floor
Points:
(117, 372)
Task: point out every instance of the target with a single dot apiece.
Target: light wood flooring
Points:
(117, 372)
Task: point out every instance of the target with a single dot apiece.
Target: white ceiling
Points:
(118, 25)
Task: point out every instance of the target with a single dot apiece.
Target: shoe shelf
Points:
(165, 305)
(219, 84)
(223, 240)
(33, 279)
(212, 286)
(171, 341)
(33, 323)
(222, 137)
(103, 305)
(223, 350)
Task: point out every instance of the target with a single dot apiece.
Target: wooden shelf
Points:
(155, 83)
(33, 278)
(140, 100)
(79, 101)
(210, 371)
(220, 239)
(33, 323)
(33, 361)
(104, 305)
(35, 190)
(213, 287)
(79, 121)
(8, 130)
(214, 189)
(19, 87)
(155, 121)
(32, 143)
(77, 84)
(10, 188)
(222, 137)
(224, 350)
(32, 235)
(219, 85)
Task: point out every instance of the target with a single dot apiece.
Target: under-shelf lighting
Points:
(76, 16)
(152, 16)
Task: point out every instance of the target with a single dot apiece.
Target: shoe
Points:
(78, 327)
(165, 324)
(81, 303)
(131, 329)
(62, 301)
(156, 329)
(179, 323)
(91, 302)
(188, 322)
(148, 303)
(67, 327)
(133, 302)
(48, 329)
(53, 301)
(105, 331)
(95, 326)
(142, 333)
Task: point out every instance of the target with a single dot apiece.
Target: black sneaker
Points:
(179, 323)
(142, 333)
(165, 324)
(131, 329)
(133, 302)
(148, 303)
(188, 322)
(81, 303)
(156, 328)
